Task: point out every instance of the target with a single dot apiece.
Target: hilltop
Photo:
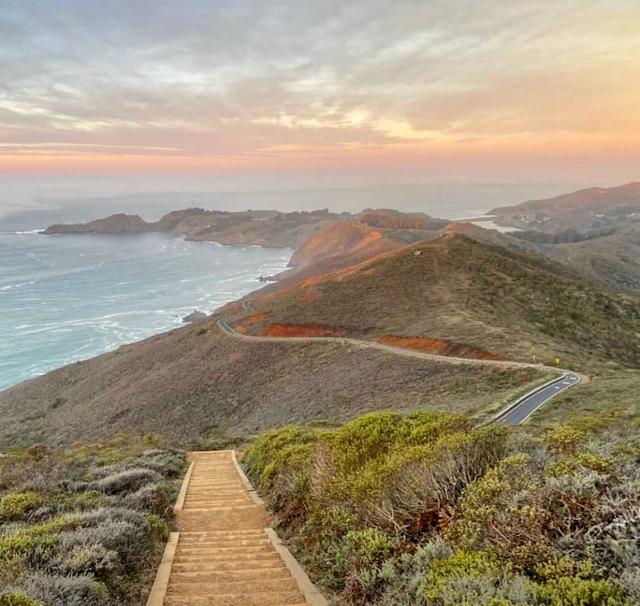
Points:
(364, 236)
(114, 224)
(471, 293)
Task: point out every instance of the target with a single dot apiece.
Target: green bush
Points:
(260, 458)
(17, 599)
(474, 579)
(426, 510)
(565, 439)
(35, 540)
(576, 591)
(15, 505)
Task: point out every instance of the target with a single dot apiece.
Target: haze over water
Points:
(67, 298)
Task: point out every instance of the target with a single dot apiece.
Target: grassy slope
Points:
(613, 261)
(179, 383)
(471, 292)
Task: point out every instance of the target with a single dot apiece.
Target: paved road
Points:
(514, 414)
(522, 409)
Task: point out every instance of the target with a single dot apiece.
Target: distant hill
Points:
(349, 242)
(583, 210)
(263, 228)
(371, 233)
(114, 224)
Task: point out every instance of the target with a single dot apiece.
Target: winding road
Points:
(515, 413)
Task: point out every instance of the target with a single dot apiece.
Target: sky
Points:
(107, 96)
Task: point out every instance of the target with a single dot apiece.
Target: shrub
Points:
(576, 591)
(365, 549)
(158, 528)
(58, 590)
(402, 578)
(615, 543)
(157, 498)
(90, 559)
(35, 542)
(498, 513)
(169, 463)
(15, 505)
(390, 510)
(128, 480)
(630, 581)
(364, 439)
(473, 578)
(356, 561)
(129, 538)
(17, 599)
(80, 527)
(263, 451)
(564, 439)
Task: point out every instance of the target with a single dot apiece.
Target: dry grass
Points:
(178, 384)
(458, 289)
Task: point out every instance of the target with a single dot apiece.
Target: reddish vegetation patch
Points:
(299, 330)
(245, 325)
(441, 347)
(345, 243)
(257, 318)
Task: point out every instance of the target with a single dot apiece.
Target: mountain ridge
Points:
(594, 208)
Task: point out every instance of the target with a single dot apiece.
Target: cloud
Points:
(248, 77)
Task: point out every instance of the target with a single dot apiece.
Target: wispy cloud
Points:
(252, 79)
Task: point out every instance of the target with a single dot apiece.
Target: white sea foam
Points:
(65, 299)
(18, 285)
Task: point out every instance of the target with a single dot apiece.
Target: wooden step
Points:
(264, 598)
(224, 554)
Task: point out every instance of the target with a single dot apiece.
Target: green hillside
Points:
(470, 292)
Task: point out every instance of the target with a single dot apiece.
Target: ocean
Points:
(67, 298)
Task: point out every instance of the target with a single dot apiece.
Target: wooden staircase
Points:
(224, 553)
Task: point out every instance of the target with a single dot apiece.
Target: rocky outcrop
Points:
(195, 316)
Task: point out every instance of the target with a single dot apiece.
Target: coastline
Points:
(73, 338)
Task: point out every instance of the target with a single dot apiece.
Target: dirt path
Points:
(224, 553)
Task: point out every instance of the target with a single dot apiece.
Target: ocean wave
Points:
(131, 295)
(14, 286)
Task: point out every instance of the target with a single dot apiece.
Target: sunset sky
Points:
(455, 90)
